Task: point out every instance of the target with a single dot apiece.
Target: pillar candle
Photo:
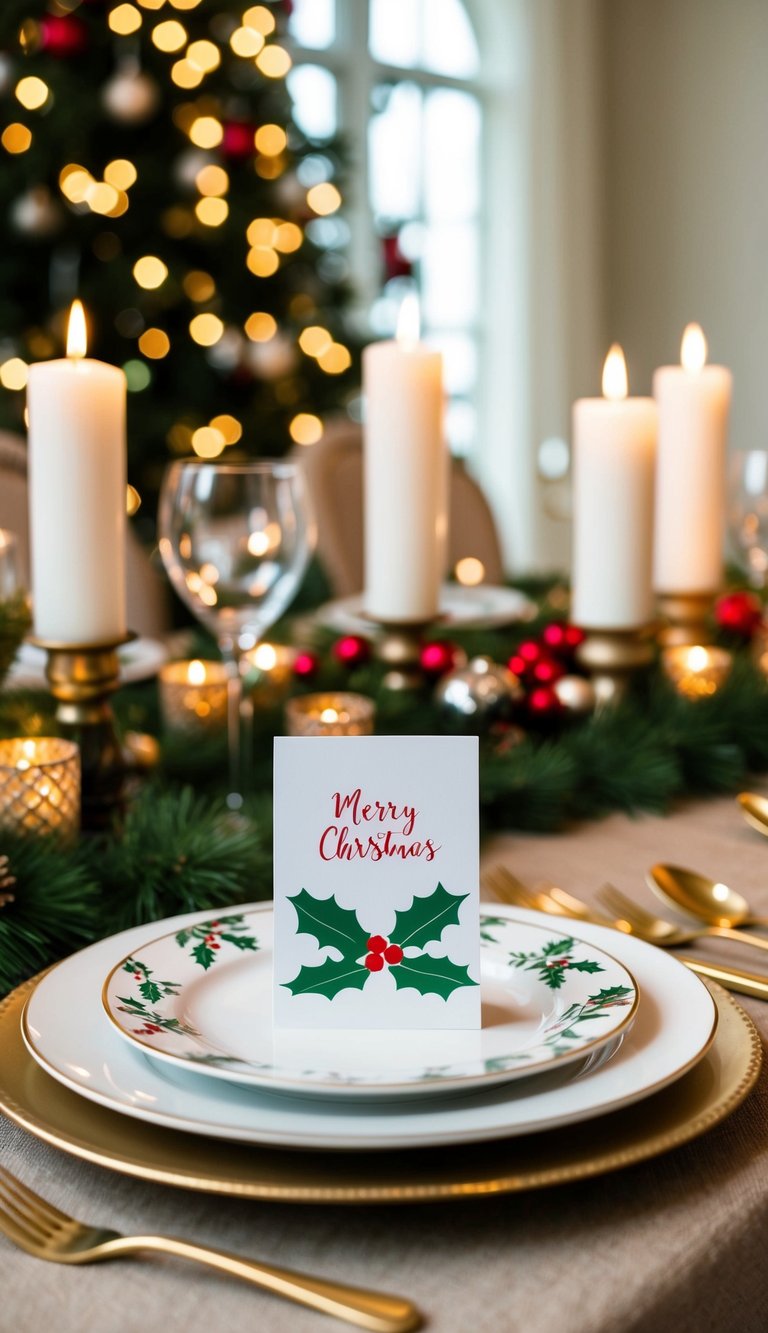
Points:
(77, 495)
(614, 448)
(694, 400)
(406, 479)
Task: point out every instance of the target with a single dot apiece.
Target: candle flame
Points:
(329, 715)
(408, 320)
(265, 657)
(196, 673)
(77, 339)
(693, 349)
(615, 375)
(698, 659)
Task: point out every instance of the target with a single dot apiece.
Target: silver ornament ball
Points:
(131, 96)
(478, 694)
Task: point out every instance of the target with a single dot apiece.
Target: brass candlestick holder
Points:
(611, 657)
(685, 618)
(399, 645)
(81, 678)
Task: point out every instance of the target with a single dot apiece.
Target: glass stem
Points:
(240, 736)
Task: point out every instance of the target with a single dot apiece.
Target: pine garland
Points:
(15, 621)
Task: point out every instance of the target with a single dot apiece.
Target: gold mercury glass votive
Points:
(40, 787)
(697, 671)
(193, 696)
(329, 714)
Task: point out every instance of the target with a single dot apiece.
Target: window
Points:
(400, 80)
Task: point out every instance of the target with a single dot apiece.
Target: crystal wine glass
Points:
(236, 540)
(748, 511)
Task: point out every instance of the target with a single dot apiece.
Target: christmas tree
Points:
(150, 166)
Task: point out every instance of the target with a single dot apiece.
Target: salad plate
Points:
(200, 998)
(483, 606)
(66, 1032)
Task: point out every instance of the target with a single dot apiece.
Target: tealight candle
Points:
(40, 787)
(337, 714)
(193, 696)
(697, 671)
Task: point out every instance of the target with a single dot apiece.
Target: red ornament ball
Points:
(237, 140)
(562, 639)
(352, 651)
(376, 944)
(63, 35)
(439, 657)
(739, 612)
(543, 703)
(374, 962)
(305, 665)
(529, 650)
(546, 671)
(393, 954)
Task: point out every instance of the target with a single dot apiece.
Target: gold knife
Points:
(731, 978)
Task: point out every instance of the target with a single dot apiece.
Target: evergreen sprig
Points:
(49, 905)
(15, 620)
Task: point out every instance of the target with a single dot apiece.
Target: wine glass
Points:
(748, 511)
(235, 540)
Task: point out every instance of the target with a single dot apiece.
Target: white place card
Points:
(376, 882)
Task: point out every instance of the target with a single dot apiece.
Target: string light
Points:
(260, 326)
(138, 375)
(274, 62)
(246, 42)
(260, 19)
(101, 197)
(228, 426)
(184, 4)
(155, 344)
(125, 20)
(120, 207)
(208, 442)
(13, 373)
(121, 173)
(206, 329)
(315, 340)
(206, 132)
(151, 4)
(74, 183)
(199, 286)
(288, 237)
(16, 138)
(212, 180)
(335, 360)
(32, 92)
(262, 261)
(204, 55)
(261, 231)
(323, 198)
(269, 168)
(185, 75)
(271, 140)
(305, 428)
(211, 212)
(170, 35)
(150, 272)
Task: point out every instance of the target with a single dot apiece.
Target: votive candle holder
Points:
(40, 787)
(697, 671)
(330, 714)
(193, 697)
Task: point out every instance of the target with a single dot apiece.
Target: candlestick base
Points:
(685, 618)
(399, 647)
(81, 678)
(612, 657)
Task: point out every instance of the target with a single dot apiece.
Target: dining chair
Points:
(148, 599)
(334, 472)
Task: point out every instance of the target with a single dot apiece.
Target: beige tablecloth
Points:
(675, 1244)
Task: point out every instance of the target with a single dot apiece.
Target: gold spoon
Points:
(755, 810)
(701, 897)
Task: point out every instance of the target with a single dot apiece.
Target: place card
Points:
(376, 882)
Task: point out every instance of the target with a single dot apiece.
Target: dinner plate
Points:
(67, 1033)
(201, 998)
(679, 1113)
(139, 660)
(460, 608)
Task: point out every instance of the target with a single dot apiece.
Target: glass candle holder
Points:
(697, 671)
(267, 672)
(40, 787)
(193, 697)
(330, 714)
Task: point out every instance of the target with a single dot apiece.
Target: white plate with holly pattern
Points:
(201, 998)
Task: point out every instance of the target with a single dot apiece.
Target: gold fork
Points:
(44, 1231)
(656, 930)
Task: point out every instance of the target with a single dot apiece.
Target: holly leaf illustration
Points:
(241, 941)
(151, 991)
(587, 966)
(204, 955)
(330, 924)
(329, 978)
(426, 918)
(431, 976)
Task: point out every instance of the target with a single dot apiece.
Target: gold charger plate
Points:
(698, 1101)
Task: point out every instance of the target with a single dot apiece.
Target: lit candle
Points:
(193, 696)
(338, 714)
(40, 787)
(77, 489)
(406, 476)
(614, 447)
(697, 671)
(693, 400)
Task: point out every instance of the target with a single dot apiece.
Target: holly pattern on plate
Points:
(208, 938)
(401, 952)
(553, 960)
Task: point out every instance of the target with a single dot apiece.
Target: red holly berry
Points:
(529, 650)
(305, 665)
(393, 953)
(546, 671)
(374, 962)
(543, 703)
(352, 651)
(559, 962)
(739, 612)
(438, 657)
(215, 946)
(376, 944)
